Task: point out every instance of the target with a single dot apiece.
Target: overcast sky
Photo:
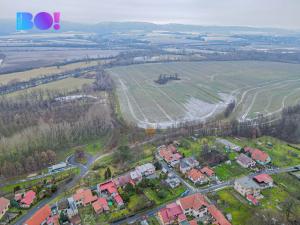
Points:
(259, 13)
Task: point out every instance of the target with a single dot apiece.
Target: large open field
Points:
(205, 89)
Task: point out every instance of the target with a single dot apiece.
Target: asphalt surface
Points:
(83, 171)
(215, 187)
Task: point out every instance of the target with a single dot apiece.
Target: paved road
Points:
(206, 190)
(83, 171)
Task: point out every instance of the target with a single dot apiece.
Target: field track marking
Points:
(155, 102)
(243, 117)
(128, 101)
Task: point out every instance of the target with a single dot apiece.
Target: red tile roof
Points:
(28, 198)
(40, 216)
(263, 178)
(85, 195)
(259, 155)
(170, 213)
(218, 216)
(195, 201)
(193, 222)
(118, 199)
(3, 203)
(97, 206)
(208, 171)
(109, 186)
(252, 199)
(195, 174)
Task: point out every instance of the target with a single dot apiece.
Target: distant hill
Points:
(8, 27)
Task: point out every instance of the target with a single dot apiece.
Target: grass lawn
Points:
(172, 194)
(195, 146)
(228, 202)
(227, 172)
(153, 221)
(10, 188)
(289, 183)
(272, 198)
(281, 154)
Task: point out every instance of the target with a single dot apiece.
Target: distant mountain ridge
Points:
(9, 26)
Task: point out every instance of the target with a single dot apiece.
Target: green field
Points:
(67, 85)
(204, 89)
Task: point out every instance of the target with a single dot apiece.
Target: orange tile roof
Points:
(195, 201)
(259, 155)
(195, 174)
(85, 195)
(208, 171)
(97, 206)
(218, 216)
(40, 216)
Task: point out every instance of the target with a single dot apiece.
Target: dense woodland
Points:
(35, 126)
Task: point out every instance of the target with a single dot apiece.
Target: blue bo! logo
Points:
(42, 21)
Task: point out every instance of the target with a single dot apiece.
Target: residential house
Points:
(28, 199)
(68, 207)
(217, 217)
(207, 171)
(127, 178)
(194, 205)
(136, 176)
(252, 199)
(109, 190)
(119, 201)
(146, 169)
(171, 214)
(4, 205)
(197, 177)
(258, 155)
(170, 155)
(187, 163)
(172, 181)
(84, 197)
(264, 180)
(42, 216)
(100, 205)
(244, 161)
(246, 186)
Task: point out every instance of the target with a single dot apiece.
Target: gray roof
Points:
(247, 182)
(244, 159)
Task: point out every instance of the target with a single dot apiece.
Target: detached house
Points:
(248, 188)
(100, 205)
(187, 163)
(258, 155)
(146, 170)
(194, 205)
(109, 190)
(84, 197)
(43, 216)
(217, 217)
(244, 161)
(170, 214)
(197, 177)
(170, 155)
(4, 205)
(207, 171)
(27, 199)
(264, 180)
